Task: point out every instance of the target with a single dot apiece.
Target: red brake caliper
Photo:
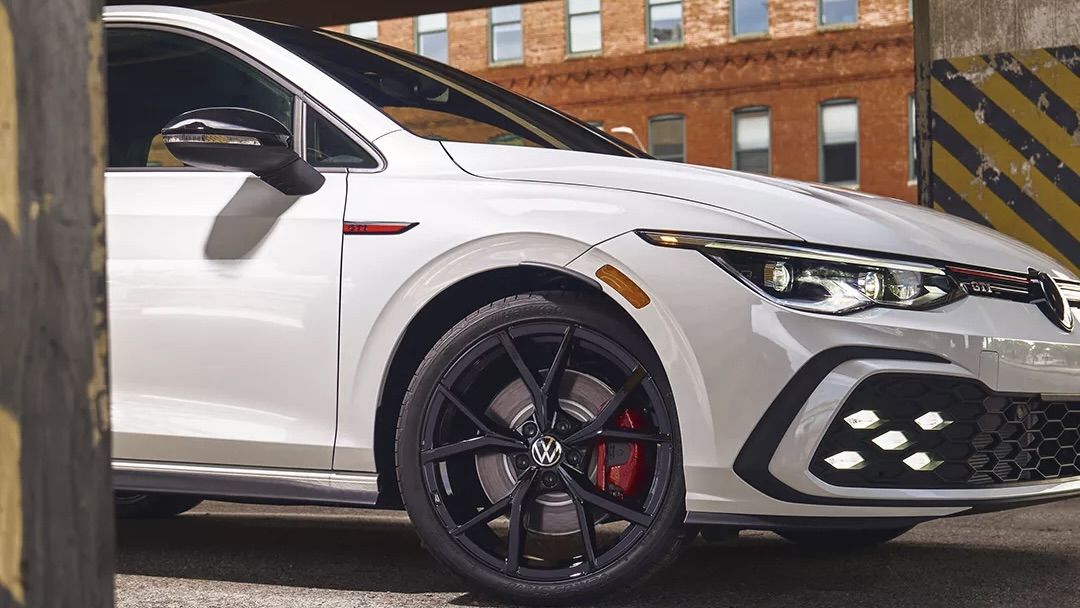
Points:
(619, 469)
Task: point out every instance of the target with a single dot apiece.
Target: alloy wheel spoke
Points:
(515, 547)
(579, 487)
(540, 410)
(555, 373)
(487, 515)
(464, 409)
(588, 533)
(608, 411)
(496, 442)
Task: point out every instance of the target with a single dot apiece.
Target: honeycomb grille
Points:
(918, 431)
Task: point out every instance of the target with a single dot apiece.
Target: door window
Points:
(433, 100)
(327, 146)
(155, 76)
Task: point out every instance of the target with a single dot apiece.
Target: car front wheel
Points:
(538, 451)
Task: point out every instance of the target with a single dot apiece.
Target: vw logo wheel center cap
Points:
(546, 451)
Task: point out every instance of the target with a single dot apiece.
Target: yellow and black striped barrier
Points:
(1006, 144)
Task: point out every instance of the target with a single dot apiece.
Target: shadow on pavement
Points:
(382, 553)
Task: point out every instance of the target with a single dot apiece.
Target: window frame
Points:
(569, 20)
(828, 26)
(491, 36)
(744, 110)
(913, 146)
(664, 118)
(649, 4)
(767, 32)
(375, 21)
(300, 100)
(417, 34)
(839, 101)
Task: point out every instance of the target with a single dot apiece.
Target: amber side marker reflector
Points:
(621, 283)
(378, 227)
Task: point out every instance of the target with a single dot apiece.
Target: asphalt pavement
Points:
(239, 556)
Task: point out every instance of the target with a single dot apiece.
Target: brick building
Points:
(816, 90)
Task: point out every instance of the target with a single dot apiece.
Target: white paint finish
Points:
(814, 212)
(989, 368)
(469, 226)
(223, 299)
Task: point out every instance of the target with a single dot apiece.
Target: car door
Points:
(223, 292)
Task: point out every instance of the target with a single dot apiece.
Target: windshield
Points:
(434, 100)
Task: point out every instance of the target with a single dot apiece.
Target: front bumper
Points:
(757, 386)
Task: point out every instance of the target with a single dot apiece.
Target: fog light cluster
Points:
(890, 441)
(928, 431)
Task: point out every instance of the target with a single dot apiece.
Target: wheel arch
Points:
(435, 318)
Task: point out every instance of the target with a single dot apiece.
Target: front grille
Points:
(923, 431)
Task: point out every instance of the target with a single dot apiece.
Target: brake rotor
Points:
(581, 397)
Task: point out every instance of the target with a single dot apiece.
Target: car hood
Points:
(813, 212)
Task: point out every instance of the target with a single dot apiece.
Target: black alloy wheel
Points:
(538, 451)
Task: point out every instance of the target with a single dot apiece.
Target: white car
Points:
(343, 274)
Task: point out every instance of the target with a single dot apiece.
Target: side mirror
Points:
(235, 139)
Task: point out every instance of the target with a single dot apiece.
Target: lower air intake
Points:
(922, 431)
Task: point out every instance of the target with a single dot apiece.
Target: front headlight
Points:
(822, 281)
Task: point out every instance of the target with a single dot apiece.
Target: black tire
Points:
(632, 554)
(842, 538)
(131, 505)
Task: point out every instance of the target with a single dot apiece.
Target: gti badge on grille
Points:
(1051, 300)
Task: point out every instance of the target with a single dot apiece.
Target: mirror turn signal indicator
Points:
(623, 284)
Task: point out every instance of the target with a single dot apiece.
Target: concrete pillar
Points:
(998, 106)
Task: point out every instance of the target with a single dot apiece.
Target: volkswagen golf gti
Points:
(343, 274)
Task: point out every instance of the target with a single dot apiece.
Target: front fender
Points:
(378, 301)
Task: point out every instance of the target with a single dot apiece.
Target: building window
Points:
(431, 38)
(583, 23)
(506, 40)
(368, 30)
(667, 137)
(752, 140)
(749, 17)
(912, 140)
(840, 142)
(837, 12)
(665, 22)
